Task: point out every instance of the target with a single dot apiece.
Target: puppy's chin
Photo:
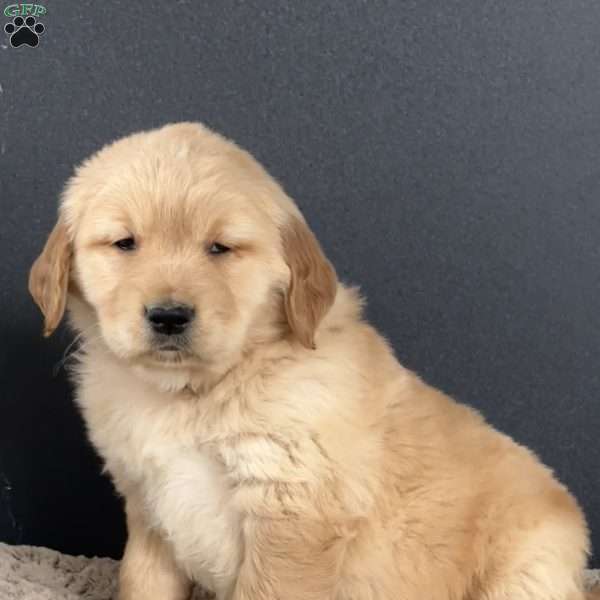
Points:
(164, 375)
(165, 359)
(169, 372)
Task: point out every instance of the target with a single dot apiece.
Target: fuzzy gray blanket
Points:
(30, 573)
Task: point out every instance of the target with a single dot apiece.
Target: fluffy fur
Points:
(281, 452)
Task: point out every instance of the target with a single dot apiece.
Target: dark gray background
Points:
(446, 154)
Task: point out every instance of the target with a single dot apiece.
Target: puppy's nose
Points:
(169, 319)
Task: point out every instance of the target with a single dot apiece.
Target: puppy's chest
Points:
(185, 490)
(188, 498)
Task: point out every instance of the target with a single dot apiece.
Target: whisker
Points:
(79, 344)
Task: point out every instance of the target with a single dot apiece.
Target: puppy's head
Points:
(181, 252)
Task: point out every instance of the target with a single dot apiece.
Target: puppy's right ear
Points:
(49, 277)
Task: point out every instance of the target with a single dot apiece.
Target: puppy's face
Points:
(182, 253)
(178, 275)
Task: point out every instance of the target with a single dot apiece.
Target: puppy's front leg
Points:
(148, 570)
(289, 559)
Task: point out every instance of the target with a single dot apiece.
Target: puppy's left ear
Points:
(49, 277)
(313, 282)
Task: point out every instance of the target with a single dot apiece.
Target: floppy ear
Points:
(49, 277)
(313, 282)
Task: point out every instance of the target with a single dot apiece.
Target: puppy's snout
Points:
(169, 319)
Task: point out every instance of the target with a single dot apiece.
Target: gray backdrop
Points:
(446, 154)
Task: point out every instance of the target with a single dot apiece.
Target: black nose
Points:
(169, 319)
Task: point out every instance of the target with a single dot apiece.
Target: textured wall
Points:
(445, 153)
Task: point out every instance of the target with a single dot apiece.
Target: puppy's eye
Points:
(126, 244)
(217, 248)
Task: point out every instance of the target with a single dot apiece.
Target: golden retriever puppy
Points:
(266, 441)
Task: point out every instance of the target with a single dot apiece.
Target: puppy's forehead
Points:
(176, 175)
(179, 189)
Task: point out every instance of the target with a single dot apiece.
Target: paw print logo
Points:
(24, 31)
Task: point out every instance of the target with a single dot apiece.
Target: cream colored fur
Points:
(285, 454)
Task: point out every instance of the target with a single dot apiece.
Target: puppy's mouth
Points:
(170, 348)
(171, 351)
